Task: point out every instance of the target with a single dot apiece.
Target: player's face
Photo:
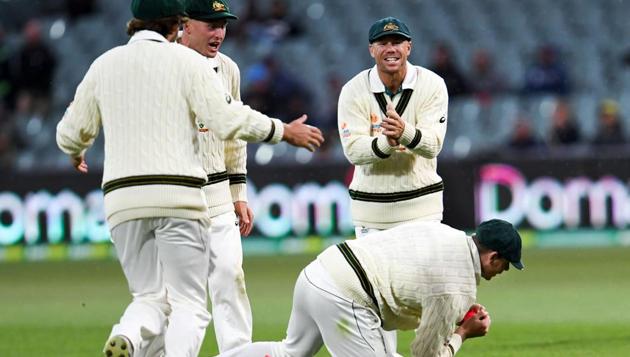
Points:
(390, 53)
(492, 265)
(206, 37)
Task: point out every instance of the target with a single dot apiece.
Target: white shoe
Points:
(118, 346)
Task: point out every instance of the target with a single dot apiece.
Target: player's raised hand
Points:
(303, 135)
(391, 111)
(79, 164)
(393, 126)
(245, 217)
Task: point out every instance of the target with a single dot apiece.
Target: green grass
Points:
(566, 303)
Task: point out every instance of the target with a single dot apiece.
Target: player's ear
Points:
(371, 49)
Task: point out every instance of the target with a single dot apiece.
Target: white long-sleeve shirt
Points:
(424, 276)
(224, 161)
(148, 96)
(392, 185)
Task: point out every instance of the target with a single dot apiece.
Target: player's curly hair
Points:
(163, 26)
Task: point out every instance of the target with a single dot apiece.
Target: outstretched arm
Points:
(212, 105)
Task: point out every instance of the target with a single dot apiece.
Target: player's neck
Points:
(393, 81)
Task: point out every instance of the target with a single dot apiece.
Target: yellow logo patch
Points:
(217, 6)
(373, 118)
(390, 27)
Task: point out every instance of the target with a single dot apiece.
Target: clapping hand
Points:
(393, 126)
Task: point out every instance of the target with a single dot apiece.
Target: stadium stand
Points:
(590, 38)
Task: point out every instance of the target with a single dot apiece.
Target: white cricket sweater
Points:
(148, 95)
(392, 185)
(424, 276)
(224, 161)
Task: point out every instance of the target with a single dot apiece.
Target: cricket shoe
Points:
(118, 346)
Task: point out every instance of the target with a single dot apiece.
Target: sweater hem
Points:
(383, 215)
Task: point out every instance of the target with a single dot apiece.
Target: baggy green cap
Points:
(156, 9)
(388, 26)
(209, 10)
(500, 236)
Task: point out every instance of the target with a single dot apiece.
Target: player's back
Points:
(142, 91)
(413, 261)
(428, 252)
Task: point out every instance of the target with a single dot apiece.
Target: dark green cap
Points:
(388, 26)
(500, 236)
(156, 9)
(209, 10)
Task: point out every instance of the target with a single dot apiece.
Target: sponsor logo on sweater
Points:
(345, 132)
(375, 127)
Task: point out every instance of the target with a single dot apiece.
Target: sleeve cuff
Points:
(239, 192)
(276, 132)
(455, 342)
(381, 147)
(410, 136)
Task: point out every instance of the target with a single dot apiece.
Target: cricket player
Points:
(392, 121)
(420, 275)
(226, 191)
(148, 95)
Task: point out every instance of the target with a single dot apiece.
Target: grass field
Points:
(566, 303)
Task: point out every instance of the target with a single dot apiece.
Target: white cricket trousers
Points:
(165, 261)
(226, 284)
(391, 337)
(322, 315)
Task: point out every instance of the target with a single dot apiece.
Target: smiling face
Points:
(205, 37)
(492, 264)
(390, 54)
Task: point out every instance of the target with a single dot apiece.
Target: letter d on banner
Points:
(488, 204)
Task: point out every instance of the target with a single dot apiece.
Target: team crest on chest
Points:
(375, 124)
(373, 118)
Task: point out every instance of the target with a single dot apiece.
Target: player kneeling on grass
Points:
(419, 275)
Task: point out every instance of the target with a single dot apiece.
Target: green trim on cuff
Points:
(278, 132)
(381, 147)
(408, 134)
